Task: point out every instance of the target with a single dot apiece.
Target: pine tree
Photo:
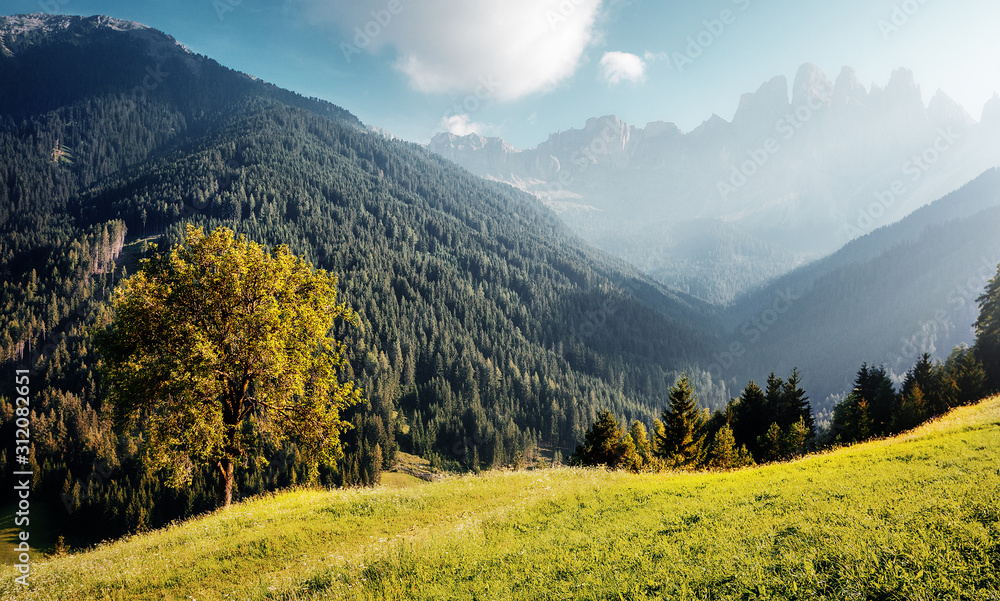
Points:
(851, 419)
(795, 438)
(988, 331)
(640, 438)
(964, 376)
(628, 458)
(928, 376)
(873, 386)
(751, 415)
(682, 439)
(770, 443)
(795, 404)
(475, 459)
(774, 393)
(602, 443)
(723, 453)
(912, 409)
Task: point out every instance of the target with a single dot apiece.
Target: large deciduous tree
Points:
(219, 343)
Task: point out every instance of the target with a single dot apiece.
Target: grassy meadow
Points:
(912, 517)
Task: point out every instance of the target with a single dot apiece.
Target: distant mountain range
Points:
(724, 208)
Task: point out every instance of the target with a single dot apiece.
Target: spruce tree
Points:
(774, 393)
(912, 409)
(988, 331)
(928, 376)
(723, 453)
(751, 417)
(681, 441)
(795, 438)
(964, 377)
(640, 438)
(795, 405)
(602, 443)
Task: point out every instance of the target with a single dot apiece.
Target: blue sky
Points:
(524, 68)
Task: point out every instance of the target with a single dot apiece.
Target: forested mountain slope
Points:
(487, 328)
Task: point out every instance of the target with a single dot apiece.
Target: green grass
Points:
(397, 480)
(915, 517)
(40, 529)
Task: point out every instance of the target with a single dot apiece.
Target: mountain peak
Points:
(471, 141)
(942, 109)
(810, 82)
(847, 89)
(18, 32)
(770, 100)
(991, 110)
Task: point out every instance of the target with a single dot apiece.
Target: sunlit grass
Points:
(915, 517)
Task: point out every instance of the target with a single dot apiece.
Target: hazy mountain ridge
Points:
(885, 298)
(803, 174)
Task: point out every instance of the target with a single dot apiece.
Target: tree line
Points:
(776, 423)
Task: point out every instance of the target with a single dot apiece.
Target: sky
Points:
(522, 69)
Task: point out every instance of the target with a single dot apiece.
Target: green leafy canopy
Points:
(218, 331)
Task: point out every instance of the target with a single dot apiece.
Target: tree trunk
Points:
(227, 468)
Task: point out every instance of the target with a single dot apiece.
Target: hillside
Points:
(913, 517)
(487, 328)
(887, 297)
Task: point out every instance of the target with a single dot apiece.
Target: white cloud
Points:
(617, 67)
(463, 125)
(453, 46)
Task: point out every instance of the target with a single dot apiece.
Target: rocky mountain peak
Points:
(810, 83)
(18, 32)
(991, 111)
(766, 104)
(943, 110)
(847, 89)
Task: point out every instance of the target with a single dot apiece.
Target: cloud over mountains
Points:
(452, 46)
